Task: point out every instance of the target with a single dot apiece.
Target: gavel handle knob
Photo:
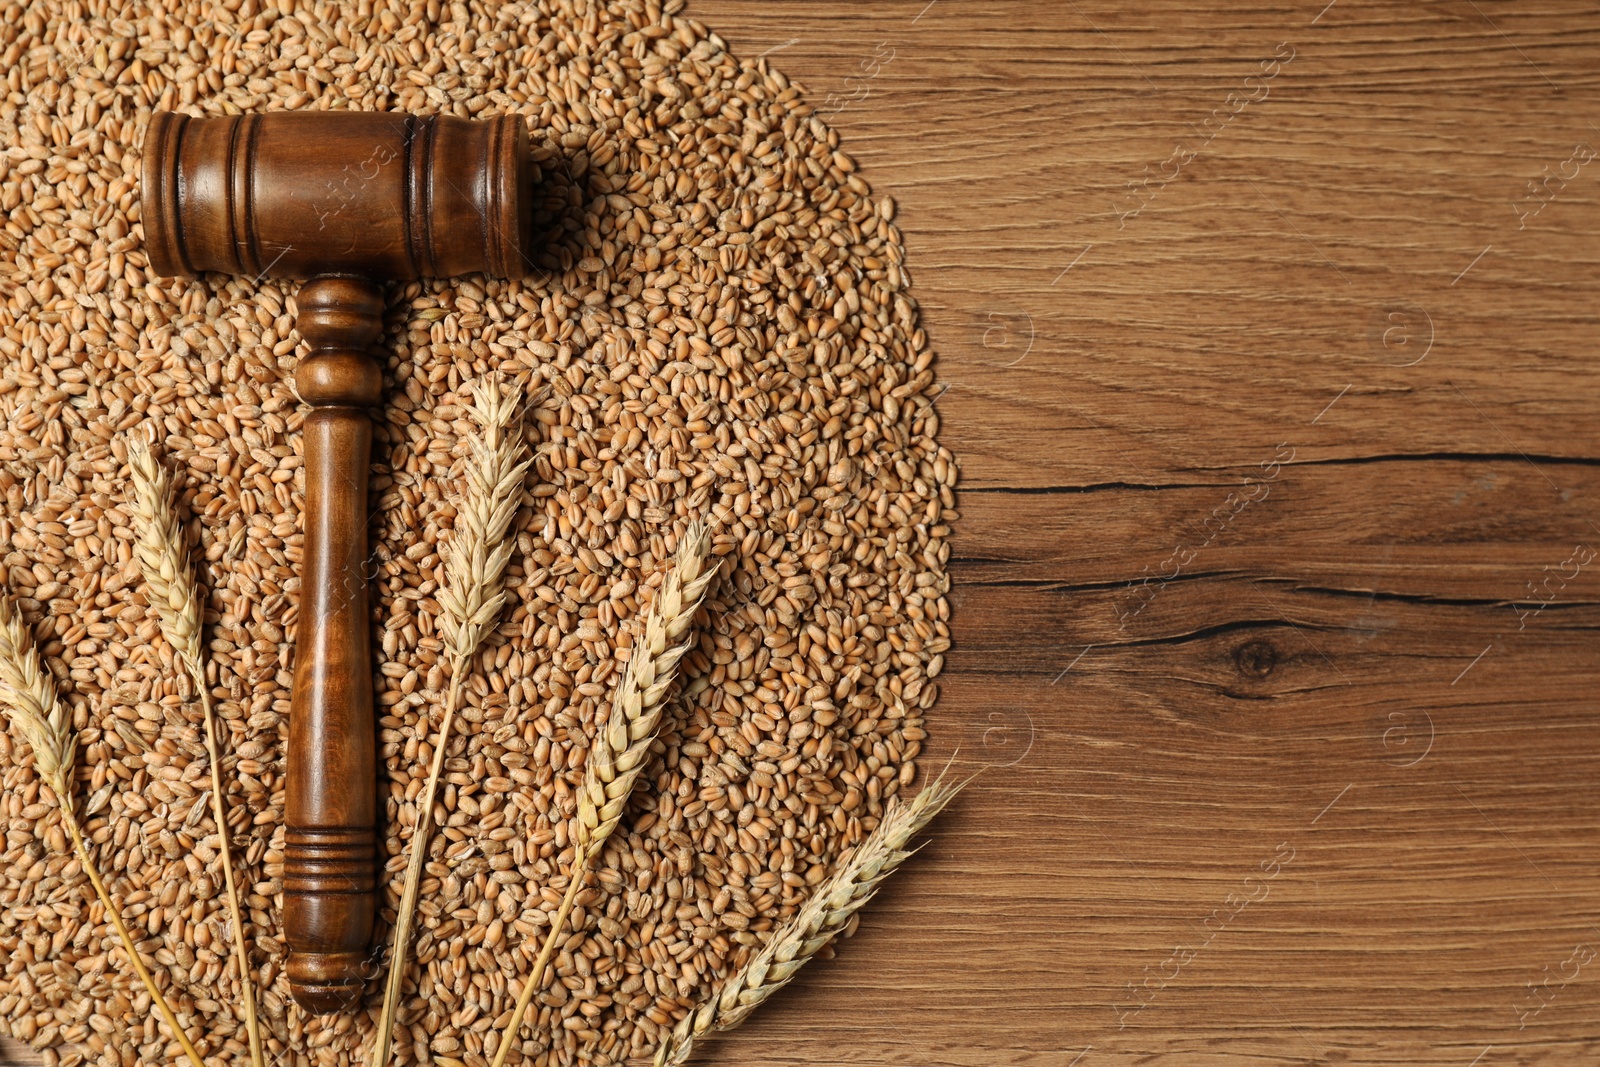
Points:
(331, 845)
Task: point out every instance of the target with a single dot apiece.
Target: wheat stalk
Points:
(471, 598)
(824, 917)
(172, 593)
(622, 746)
(30, 696)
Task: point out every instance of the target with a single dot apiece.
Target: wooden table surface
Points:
(1267, 335)
(1278, 594)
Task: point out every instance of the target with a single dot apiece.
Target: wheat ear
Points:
(824, 917)
(622, 746)
(30, 696)
(471, 599)
(171, 590)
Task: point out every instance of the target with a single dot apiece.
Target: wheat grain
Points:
(471, 600)
(825, 916)
(622, 746)
(172, 591)
(38, 713)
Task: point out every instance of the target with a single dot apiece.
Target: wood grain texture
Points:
(1297, 698)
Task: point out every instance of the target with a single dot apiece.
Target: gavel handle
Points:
(330, 845)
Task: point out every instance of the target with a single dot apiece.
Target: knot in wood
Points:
(1256, 658)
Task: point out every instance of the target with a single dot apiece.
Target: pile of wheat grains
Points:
(718, 328)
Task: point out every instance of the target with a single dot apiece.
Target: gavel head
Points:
(292, 194)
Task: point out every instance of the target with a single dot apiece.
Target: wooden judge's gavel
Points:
(348, 200)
